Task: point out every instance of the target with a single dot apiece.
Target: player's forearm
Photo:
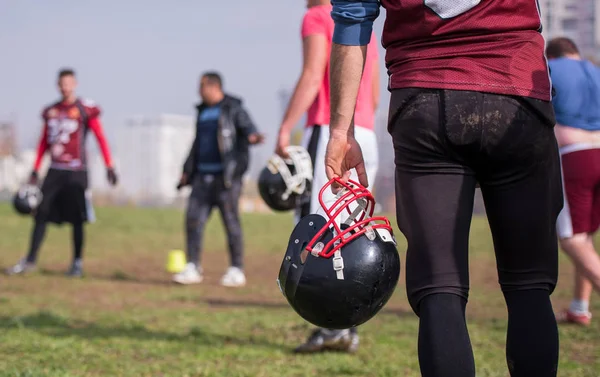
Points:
(352, 33)
(41, 150)
(96, 127)
(347, 64)
(304, 95)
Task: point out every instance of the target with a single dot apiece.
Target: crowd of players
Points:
(455, 123)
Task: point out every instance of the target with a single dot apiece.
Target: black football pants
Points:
(209, 191)
(445, 143)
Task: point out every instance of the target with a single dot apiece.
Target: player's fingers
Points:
(362, 174)
(282, 152)
(346, 176)
(330, 172)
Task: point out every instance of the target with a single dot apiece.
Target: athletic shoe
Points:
(354, 342)
(190, 275)
(76, 270)
(567, 316)
(329, 340)
(22, 267)
(234, 277)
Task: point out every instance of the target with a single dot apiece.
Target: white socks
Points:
(579, 307)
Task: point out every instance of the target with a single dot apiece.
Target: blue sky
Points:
(139, 57)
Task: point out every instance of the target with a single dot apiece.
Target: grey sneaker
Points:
(22, 267)
(76, 270)
(328, 340)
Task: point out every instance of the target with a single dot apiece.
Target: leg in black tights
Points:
(531, 342)
(532, 338)
(37, 236)
(78, 237)
(444, 344)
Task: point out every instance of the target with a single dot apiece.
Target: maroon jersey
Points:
(65, 131)
(481, 45)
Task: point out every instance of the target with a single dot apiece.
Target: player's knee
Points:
(234, 232)
(193, 220)
(575, 242)
(416, 295)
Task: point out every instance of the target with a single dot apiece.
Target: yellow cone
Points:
(176, 261)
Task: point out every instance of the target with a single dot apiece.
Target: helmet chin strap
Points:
(338, 264)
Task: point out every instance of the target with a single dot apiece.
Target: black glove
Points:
(111, 176)
(33, 178)
(182, 181)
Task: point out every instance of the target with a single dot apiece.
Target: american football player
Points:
(470, 103)
(65, 194)
(311, 96)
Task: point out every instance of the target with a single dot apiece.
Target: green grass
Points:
(126, 319)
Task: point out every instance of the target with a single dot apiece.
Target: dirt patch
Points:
(128, 282)
(583, 352)
(125, 283)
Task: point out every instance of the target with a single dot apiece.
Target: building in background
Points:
(149, 156)
(575, 19)
(9, 174)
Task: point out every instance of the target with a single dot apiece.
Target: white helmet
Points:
(283, 181)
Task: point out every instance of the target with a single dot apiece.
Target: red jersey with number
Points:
(491, 46)
(66, 126)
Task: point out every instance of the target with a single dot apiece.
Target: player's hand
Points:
(283, 141)
(256, 138)
(33, 178)
(111, 176)
(182, 181)
(343, 154)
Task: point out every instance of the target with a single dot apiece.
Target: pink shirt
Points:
(317, 20)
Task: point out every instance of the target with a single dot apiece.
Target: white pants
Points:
(368, 143)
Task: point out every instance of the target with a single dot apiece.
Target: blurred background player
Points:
(65, 187)
(218, 159)
(311, 96)
(577, 105)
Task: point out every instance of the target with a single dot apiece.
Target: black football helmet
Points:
(27, 199)
(342, 267)
(283, 181)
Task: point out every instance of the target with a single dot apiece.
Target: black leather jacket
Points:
(235, 126)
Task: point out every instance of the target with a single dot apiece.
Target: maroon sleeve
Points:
(96, 126)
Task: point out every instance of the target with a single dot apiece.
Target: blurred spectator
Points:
(214, 168)
(577, 105)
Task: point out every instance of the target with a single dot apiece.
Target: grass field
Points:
(125, 318)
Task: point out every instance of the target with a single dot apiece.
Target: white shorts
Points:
(368, 143)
